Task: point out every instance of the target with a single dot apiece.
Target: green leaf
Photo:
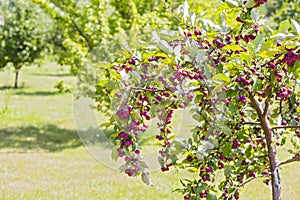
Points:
(208, 24)
(207, 145)
(295, 26)
(155, 37)
(106, 124)
(225, 129)
(183, 184)
(114, 154)
(135, 114)
(211, 197)
(193, 18)
(185, 9)
(200, 55)
(267, 45)
(250, 3)
(177, 50)
(143, 164)
(283, 36)
(110, 85)
(165, 46)
(181, 31)
(284, 26)
(250, 152)
(246, 57)
(227, 149)
(231, 93)
(266, 54)
(200, 155)
(221, 77)
(296, 70)
(123, 167)
(197, 117)
(207, 72)
(199, 189)
(146, 179)
(227, 170)
(102, 83)
(255, 85)
(232, 3)
(234, 47)
(258, 42)
(292, 44)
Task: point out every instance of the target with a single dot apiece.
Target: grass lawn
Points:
(42, 157)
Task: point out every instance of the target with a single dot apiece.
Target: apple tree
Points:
(87, 24)
(21, 35)
(240, 80)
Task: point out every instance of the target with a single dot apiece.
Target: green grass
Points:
(41, 156)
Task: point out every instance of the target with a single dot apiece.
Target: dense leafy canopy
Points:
(22, 35)
(240, 79)
(234, 69)
(87, 24)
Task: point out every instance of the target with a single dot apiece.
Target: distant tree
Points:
(89, 24)
(21, 35)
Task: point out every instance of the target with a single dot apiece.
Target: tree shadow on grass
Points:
(53, 75)
(8, 87)
(19, 91)
(50, 138)
(38, 93)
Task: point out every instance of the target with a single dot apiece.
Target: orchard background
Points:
(212, 87)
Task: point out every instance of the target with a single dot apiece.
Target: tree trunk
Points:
(272, 154)
(273, 160)
(17, 77)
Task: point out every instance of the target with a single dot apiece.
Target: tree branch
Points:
(267, 105)
(251, 179)
(82, 34)
(255, 105)
(251, 123)
(285, 127)
(150, 90)
(291, 107)
(196, 90)
(275, 58)
(243, 184)
(280, 109)
(294, 159)
(272, 154)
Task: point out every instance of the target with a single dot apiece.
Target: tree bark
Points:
(17, 77)
(273, 160)
(272, 154)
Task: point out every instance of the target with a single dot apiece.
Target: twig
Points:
(285, 127)
(150, 90)
(89, 43)
(275, 58)
(291, 107)
(243, 184)
(294, 159)
(280, 109)
(251, 123)
(211, 51)
(251, 179)
(128, 97)
(172, 11)
(196, 90)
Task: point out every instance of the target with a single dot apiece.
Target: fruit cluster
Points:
(232, 89)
